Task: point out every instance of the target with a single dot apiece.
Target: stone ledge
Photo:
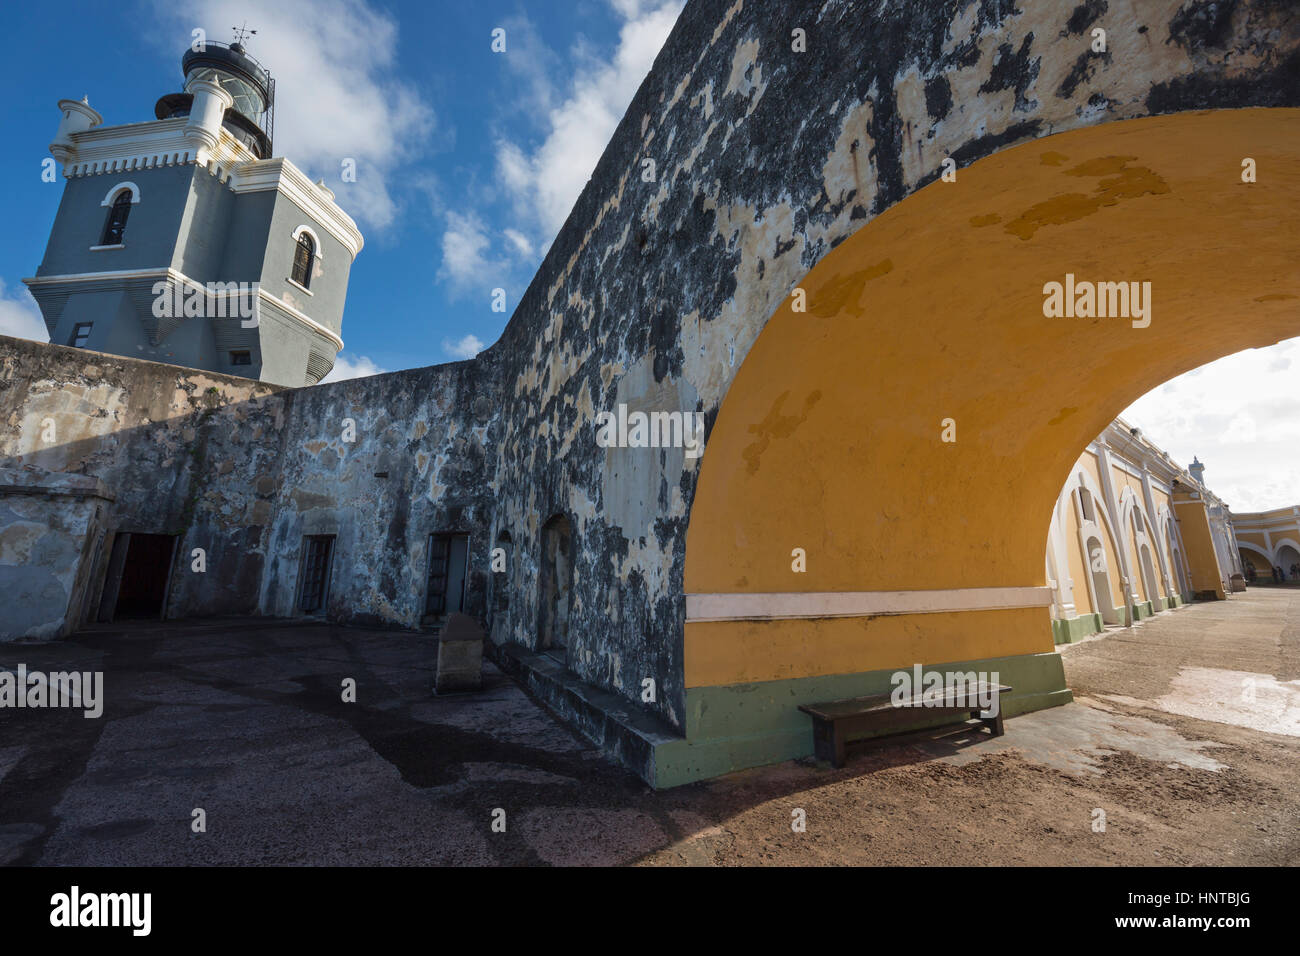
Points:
(624, 732)
(15, 481)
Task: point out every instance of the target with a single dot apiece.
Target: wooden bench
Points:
(835, 721)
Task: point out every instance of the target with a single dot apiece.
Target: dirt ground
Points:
(1185, 733)
(1141, 743)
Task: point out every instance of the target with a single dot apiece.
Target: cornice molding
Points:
(122, 149)
(280, 174)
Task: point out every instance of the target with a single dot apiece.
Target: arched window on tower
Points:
(115, 227)
(304, 256)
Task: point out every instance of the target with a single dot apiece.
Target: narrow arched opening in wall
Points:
(555, 588)
(1288, 559)
(1148, 571)
(927, 538)
(1089, 589)
(1180, 585)
(1130, 485)
(1102, 592)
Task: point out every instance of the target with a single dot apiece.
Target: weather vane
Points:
(243, 33)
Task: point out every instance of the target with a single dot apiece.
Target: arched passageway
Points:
(934, 321)
(1256, 559)
(1288, 559)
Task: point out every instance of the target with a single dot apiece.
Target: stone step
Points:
(630, 735)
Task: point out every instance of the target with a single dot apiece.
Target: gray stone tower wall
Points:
(190, 221)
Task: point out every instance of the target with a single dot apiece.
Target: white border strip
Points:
(172, 274)
(771, 606)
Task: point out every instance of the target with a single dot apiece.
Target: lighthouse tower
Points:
(184, 240)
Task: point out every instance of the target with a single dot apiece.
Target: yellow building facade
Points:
(1134, 534)
(1268, 540)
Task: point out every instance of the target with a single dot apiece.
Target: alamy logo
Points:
(74, 908)
(24, 688)
(651, 430)
(216, 300)
(920, 688)
(1101, 300)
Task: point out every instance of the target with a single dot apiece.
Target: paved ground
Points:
(1185, 735)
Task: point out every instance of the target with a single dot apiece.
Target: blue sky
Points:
(468, 163)
(467, 160)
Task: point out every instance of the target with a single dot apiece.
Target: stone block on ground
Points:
(460, 655)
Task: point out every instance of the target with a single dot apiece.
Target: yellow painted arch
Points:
(829, 438)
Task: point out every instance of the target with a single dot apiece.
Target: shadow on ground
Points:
(245, 719)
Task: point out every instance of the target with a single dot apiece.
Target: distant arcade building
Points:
(1269, 540)
(155, 213)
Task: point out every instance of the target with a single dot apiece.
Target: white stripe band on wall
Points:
(773, 606)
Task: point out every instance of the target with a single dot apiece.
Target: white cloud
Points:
(465, 348)
(337, 95)
(1241, 417)
(465, 246)
(467, 263)
(514, 168)
(535, 64)
(521, 243)
(1240, 430)
(546, 182)
(345, 367)
(19, 315)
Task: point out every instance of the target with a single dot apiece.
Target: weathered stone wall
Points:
(50, 525)
(243, 470)
(766, 159)
(419, 465)
(179, 449)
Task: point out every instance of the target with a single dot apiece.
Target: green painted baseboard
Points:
(1076, 628)
(1142, 611)
(1069, 630)
(737, 726)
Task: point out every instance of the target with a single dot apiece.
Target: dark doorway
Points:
(555, 582)
(317, 551)
(448, 562)
(145, 574)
